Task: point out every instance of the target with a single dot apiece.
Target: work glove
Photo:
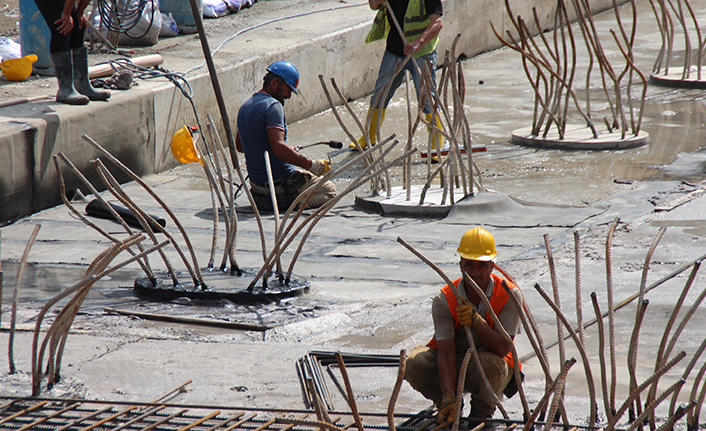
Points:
(320, 167)
(447, 409)
(467, 314)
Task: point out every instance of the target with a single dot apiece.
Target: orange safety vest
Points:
(497, 301)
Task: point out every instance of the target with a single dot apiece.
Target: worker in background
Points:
(262, 129)
(421, 22)
(433, 369)
(67, 23)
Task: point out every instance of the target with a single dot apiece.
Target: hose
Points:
(121, 16)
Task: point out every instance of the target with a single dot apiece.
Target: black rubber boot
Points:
(81, 82)
(65, 75)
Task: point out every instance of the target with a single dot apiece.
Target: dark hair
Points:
(269, 77)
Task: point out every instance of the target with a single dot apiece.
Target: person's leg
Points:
(326, 192)
(429, 62)
(60, 50)
(79, 57)
(424, 62)
(377, 104)
(82, 82)
(499, 375)
(422, 373)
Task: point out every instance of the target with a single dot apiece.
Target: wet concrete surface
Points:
(368, 293)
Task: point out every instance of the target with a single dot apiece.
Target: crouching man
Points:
(262, 128)
(433, 369)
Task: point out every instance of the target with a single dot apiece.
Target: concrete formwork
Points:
(137, 125)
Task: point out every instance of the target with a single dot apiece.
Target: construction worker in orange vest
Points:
(433, 369)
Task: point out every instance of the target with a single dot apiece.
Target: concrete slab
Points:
(322, 37)
(368, 293)
(580, 138)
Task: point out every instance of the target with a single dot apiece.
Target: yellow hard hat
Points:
(18, 69)
(183, 146)
(477, 244)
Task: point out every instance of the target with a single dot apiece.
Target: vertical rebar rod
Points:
(601, 356)
(633, 395)
(275, 207)
(611, 320)
(16, 297)
(555, 290)
(579, 306)
(396, 391)
(584, 357)
(154, 195)
(349, 391)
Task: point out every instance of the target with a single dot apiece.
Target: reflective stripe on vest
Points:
(415, 22)
(497, 301)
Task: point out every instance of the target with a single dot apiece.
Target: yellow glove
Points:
(320, 167)
(447, 409)
(467, 315)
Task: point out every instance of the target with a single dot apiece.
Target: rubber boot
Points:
(65, 75)
(81, 82)
(437, 139)
(373, 129)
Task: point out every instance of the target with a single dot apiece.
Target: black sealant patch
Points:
(222, 285)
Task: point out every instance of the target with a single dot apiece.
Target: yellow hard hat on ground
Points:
(183, 146)
(18, 69)
(477, 244)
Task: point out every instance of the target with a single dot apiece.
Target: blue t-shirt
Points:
(255, 116)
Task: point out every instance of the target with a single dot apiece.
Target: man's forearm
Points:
(82, 5)
(432, 30)
(69, 6)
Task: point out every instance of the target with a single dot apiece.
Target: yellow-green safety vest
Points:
(416, 21)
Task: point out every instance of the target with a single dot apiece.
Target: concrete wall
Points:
(136, 126)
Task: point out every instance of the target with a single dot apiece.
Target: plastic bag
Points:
(234, 5)
(9, 49)
(215, 8)
(146, 31)
(169, 26)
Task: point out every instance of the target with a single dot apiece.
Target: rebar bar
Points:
(632, 354)
(349, 391)
(36, 358)
(501, 329)
(601, 356)
(530, 421)
(316, 216)
(286, 238)
(611, 319)
(460, 386)
(154, 195)
(584, 357)
(467, 330)
(555, 290)
(686, 373)
(396, 391)
(693, 418)
(144, 264)
(16, 297)
(577, 277)
(558, 394)
(144, 219)
(649, 409)
(521, 310)
(661, 356)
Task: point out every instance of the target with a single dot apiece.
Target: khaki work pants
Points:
(422, 373)
(326, 192)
